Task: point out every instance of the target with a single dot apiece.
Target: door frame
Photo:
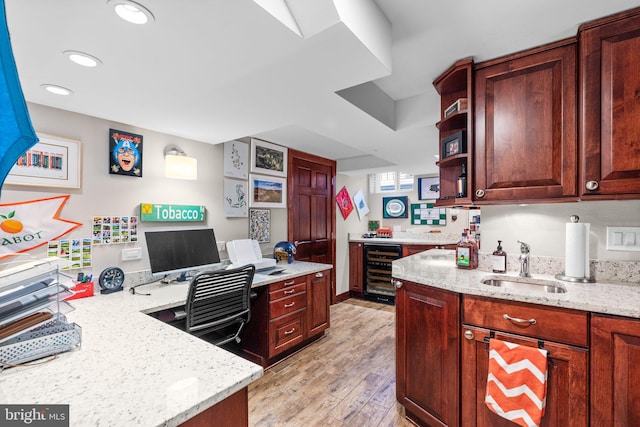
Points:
(290, 185)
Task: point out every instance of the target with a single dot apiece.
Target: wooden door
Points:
(312, 211)
(567, 381)
(526, 141)
(610, 84)
(615, 371)
(427, 353)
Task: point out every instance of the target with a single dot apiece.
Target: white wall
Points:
(114, 195)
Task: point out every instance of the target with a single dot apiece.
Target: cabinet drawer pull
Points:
(289, 292)
(319, 274)
(396, 283)
(517, 320)
(480, 193)
(293, 303)
(289, 283)
(289, 332)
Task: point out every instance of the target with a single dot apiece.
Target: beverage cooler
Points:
(377, 271)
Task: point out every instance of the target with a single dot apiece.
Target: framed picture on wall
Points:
(429, 188)
(52, 162)
(260, 225)
(267, 191)
(235, 198)
(125, 153)
(267, 158)
(236, 159)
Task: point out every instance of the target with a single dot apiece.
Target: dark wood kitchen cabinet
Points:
(427, 354)
(408, 250)
(563, 333)
(356, 263)
(610, 100)
(615, 371)
(318, 302)
(526, 126)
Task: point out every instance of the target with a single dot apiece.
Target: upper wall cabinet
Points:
(525, 126)
(455, 87)
(610, 99)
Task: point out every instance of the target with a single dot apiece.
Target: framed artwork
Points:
(236, 159)
(52, 162)
(267, 158)
(260, 225)
(427, 214)
(235, 198)
(429, 188)
(125, 153)
(267, 191)
(454, 144)
(344, 202)
(395, 207)
(361, 204)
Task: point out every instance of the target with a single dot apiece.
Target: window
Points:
(385, 182)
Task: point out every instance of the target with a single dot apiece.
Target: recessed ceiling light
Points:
(131, 11)
(82, 58)
(58, 90)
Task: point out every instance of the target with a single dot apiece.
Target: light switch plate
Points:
(221, 246)
(623, 238)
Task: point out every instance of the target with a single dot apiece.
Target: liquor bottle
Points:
(461, 183)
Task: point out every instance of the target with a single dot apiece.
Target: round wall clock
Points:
(111, 280)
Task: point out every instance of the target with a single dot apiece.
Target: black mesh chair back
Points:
(219, 301)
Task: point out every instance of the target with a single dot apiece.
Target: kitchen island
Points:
(133, 369)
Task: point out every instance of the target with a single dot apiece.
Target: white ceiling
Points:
(217, 70)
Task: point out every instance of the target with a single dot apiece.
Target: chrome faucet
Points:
(524, 259)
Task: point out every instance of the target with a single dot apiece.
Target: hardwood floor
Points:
(346, 378)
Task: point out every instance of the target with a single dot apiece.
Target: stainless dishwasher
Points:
(377, 271)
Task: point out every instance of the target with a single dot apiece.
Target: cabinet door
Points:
(356, 261)
(408, 250)
(610, 83)
(526, 143)
(427, 353)
(615, 370)
(567, 382)
(318, 294)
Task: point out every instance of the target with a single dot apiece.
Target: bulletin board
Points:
(426, 214)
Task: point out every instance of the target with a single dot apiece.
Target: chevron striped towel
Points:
(517, 382)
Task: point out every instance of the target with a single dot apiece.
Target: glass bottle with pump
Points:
(461, 183)
(499, 259)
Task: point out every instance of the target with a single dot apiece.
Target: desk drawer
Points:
(286, 332)
(287, 305)
(302, 280)
(547, 323)
(287, 292)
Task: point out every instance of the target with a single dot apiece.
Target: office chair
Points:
(219, 301)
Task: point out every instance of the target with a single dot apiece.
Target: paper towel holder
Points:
(574, 219)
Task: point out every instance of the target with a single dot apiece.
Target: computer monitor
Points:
(181, 252)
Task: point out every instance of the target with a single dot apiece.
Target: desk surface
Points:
(133, 369)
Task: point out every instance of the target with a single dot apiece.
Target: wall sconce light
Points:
(178, 165)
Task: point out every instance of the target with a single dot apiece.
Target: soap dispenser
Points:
(499, 259)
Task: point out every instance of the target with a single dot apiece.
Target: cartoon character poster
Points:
(125, 153)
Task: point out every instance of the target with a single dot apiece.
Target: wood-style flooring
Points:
(347, 378)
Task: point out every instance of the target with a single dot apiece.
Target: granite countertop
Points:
(132, 369)
(444, 240)
(437, 269)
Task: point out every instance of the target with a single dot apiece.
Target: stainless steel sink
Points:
(528, 284)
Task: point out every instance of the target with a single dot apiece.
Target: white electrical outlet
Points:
(221, 246)
(131, 254)
(623, 238)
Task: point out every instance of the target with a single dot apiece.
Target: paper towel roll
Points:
(577, 250)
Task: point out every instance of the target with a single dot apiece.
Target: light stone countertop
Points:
(132, 369)
(436, 268)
